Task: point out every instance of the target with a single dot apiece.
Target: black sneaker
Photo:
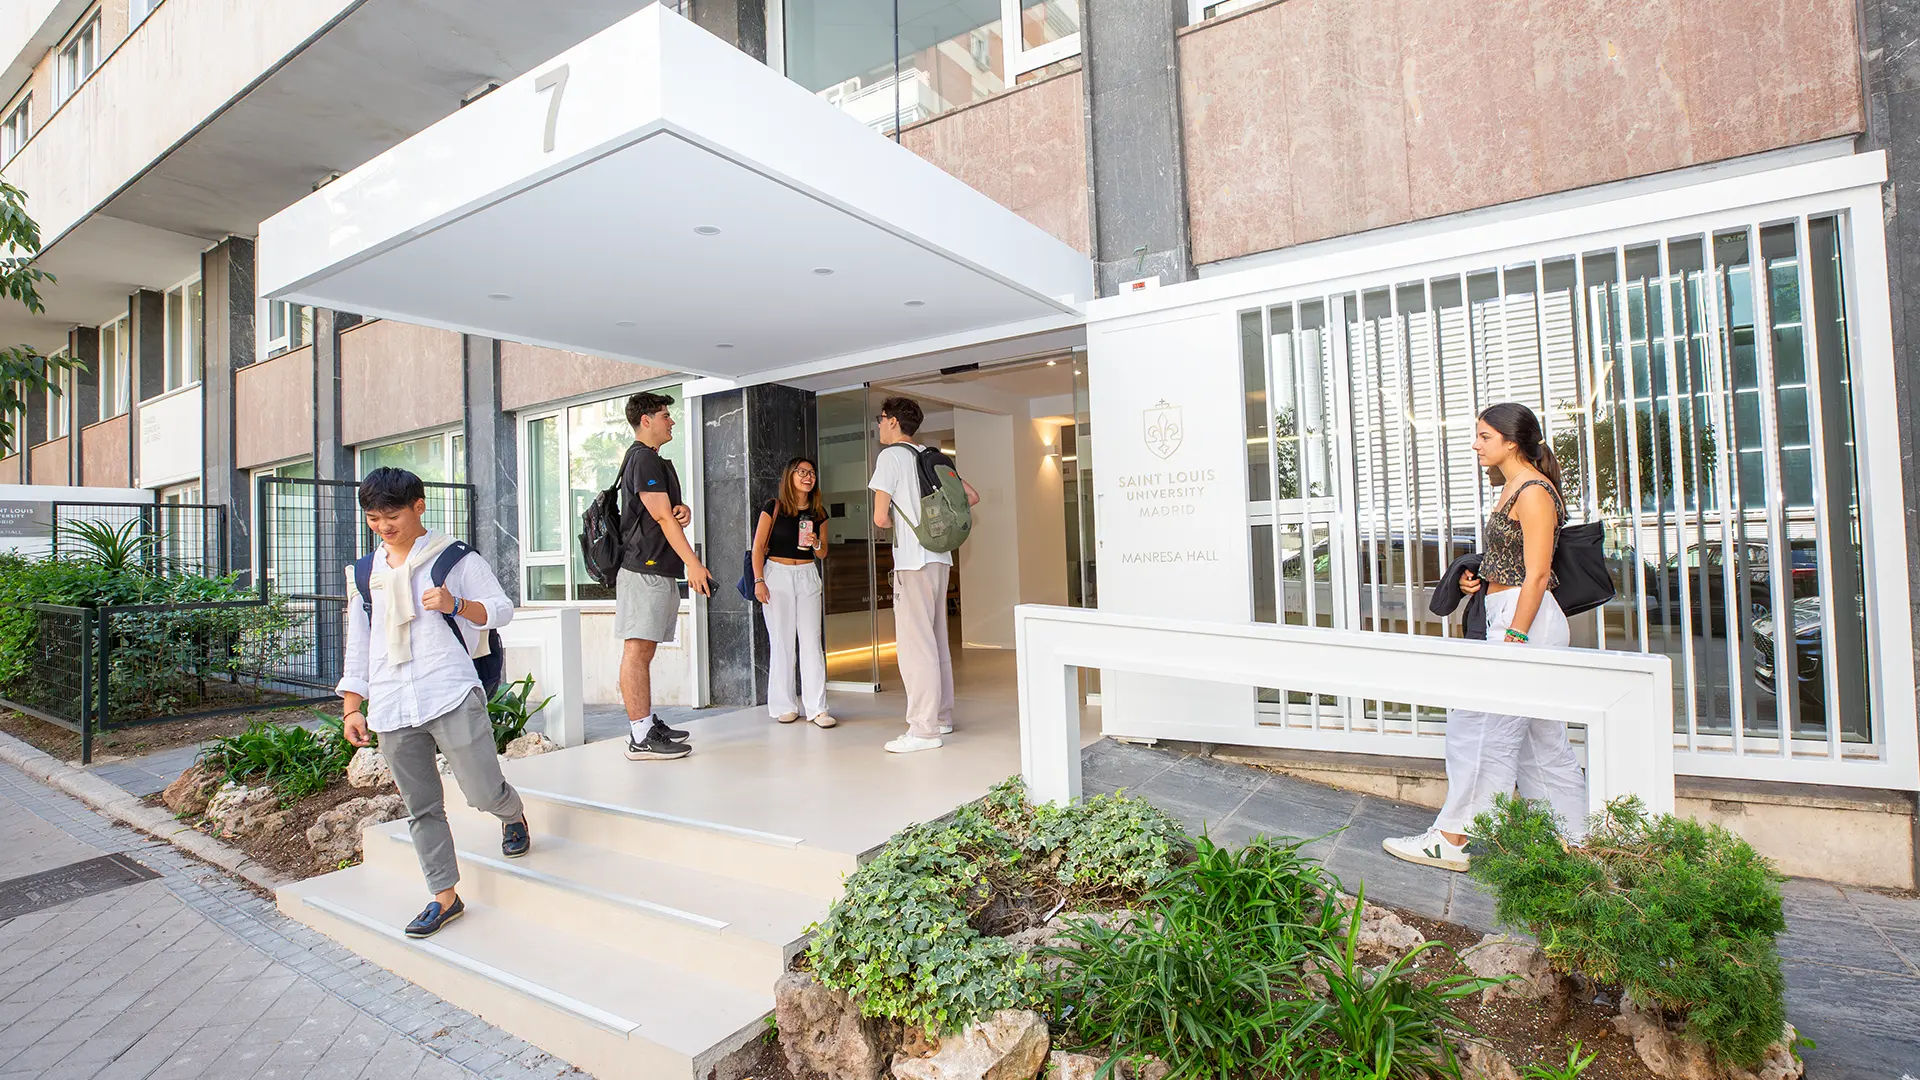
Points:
(662, 731)
(514, 840)
(654, 748)
(429, 922)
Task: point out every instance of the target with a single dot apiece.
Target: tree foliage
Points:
(23, 370)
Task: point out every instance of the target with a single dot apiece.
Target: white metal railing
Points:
(1624, 700)
(545, 643)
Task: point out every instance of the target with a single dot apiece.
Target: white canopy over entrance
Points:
(654, 195)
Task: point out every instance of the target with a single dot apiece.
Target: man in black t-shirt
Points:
(647, 589)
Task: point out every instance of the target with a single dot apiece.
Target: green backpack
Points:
(945, 517)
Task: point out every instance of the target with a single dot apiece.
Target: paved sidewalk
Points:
(1852, 956)
(192, 976)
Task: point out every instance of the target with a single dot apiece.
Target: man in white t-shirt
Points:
(919, 580)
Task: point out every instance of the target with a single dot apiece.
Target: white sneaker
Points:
(1430, 848)
(910, 744)
(946, 729)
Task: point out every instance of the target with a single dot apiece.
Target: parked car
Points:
(1808, 653)
(1663, 582)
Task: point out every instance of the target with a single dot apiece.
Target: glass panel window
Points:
(138, 10)
(546, 496)
(424, 457)
(116, 346)
(183, 335)
(289, 327)
(16, 129)
(1043, 22)
(77, 60)
(58, 398)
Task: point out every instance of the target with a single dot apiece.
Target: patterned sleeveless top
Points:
(1505, 560)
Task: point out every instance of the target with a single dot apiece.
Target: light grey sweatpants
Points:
(465, 735)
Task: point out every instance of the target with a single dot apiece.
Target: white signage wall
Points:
(1170, 499)
(170, 430)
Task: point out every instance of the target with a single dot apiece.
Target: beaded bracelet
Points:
(1516, 635)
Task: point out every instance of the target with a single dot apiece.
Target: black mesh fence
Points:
(52, 678)
(179, 661)
(165, 538)
(311, 531)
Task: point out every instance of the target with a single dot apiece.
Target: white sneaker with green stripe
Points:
(1430, 848)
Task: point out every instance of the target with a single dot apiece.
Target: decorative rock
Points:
(1009, 1045)
(1480, 1061)
(1385, 933)
(369, 768)
(189, 793)
(237, 810)
(529, 745)
(1532, 975)
(1671, 1056)
(335, 834)
(1064, 1066)
(822, 1033)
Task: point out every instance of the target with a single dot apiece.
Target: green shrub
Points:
(1226, 979)
(906, 938)
(1680, 914)
(510, 711)
(296, 761)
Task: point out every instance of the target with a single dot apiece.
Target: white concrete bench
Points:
(545, 643)
(1625, 700)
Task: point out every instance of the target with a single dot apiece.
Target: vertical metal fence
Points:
(1697, 391)
(310, 532)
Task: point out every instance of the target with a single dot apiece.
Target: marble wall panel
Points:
(1316, 118)
(1025, 149)
(397, 378)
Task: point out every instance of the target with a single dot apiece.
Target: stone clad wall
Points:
(1314, 118)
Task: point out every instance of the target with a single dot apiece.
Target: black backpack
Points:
(602, 547)
(492, 667)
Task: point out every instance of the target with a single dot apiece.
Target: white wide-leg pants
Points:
(793, 630)
(1489, 754)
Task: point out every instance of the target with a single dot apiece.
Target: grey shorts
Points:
(645, 606)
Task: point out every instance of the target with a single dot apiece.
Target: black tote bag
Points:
(1580, 563)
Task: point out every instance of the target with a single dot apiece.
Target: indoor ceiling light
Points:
(625, 323)
(707, 230)
(498, 296)
(916, 303)
(823, 271)
(724, 345)
(1051, 363)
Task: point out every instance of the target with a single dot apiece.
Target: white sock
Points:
(640, 726)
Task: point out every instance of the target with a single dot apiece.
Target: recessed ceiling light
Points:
(624, 323)
(916, 303)
(1051, 363)
(707, 230)
(823, 271)
(724, 345)
(498, 296)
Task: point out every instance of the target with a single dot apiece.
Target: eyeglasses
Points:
(881, 418)
(808, 473)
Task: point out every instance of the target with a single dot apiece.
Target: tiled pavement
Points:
(194, 977)
(1852, 957)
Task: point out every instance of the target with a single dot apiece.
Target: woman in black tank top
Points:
(1487, 754)
(789, 541)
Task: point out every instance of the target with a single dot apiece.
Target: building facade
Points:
(1317, 237)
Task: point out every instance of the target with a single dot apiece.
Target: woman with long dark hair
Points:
(1489, 754)
(788, 544)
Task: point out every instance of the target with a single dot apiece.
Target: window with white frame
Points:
(289, 327)
(187, 494)
(891, 70)
(438, 457)
(138, 10)
(78, 58)
(569, 456)
(184, 315)
(284, 516)
(59, 398)
(1201, 10)
(16, 129)
(116, 369)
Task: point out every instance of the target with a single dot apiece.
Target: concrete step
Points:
(726, 929)
(579, 992)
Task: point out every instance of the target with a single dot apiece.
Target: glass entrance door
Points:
(852, 570)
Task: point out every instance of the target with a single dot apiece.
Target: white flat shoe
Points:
(1430, 848)
(787, 718)
(946, 729)
(910, 744)
(825, 720)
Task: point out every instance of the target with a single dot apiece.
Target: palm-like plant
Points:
(119, 549)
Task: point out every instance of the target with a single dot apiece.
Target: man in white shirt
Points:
(919, 580)
(416, 665)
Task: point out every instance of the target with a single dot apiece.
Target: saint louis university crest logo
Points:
(1162, 428)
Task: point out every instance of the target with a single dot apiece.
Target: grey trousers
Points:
(465, 735)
